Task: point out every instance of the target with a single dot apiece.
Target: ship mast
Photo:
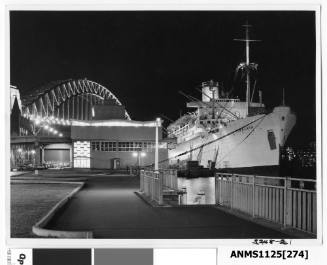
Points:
(247, 47)
(247, 65)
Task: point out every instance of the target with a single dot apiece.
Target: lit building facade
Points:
(115, 144)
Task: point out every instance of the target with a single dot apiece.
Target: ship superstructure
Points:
(222, 131)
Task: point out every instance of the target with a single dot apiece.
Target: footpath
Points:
(108, 206)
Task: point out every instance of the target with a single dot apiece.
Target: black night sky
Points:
(145, 58)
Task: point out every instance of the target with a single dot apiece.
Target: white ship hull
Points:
(254, 141)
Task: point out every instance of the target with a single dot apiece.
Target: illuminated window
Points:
(107, 146)
(82, 154)
(149, 146)
(137, 146)
(104, 146)
(112, 146)
(95, 146)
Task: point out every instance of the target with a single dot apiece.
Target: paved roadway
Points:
(108, 206)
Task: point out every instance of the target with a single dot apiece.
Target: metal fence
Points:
(290, 202)
(153, 183)
(169, 179)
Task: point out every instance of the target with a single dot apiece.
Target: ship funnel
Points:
(210, 91)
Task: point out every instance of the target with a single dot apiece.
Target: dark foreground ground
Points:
(30, 202)
(108, 206)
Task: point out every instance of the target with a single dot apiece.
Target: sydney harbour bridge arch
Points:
(67, 100)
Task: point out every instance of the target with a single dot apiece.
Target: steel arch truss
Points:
(72, 99)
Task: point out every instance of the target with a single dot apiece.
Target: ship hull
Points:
(252, 142)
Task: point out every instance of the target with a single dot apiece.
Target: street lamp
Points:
(138, 155)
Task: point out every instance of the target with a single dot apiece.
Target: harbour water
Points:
(199, 190)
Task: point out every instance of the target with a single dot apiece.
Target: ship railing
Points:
(289, 202)
(182, 130)
(154, 183)
(228, 100)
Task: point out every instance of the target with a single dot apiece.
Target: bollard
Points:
(201, 197)
(183, 196)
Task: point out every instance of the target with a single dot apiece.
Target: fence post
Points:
(160, 181)
(216, 189)
(253, 196)
(232, 191)
(152, 181)
(141, 180)
(285, 202)
(220, 198)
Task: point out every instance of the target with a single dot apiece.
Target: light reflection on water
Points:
(196, 185)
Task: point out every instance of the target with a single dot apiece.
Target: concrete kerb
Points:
(39, 230)
(47, 181)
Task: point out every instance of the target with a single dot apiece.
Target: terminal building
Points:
(115, 144)
(82, 129)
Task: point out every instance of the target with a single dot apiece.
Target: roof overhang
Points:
(116, 123)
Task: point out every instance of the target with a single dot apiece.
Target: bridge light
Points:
(143, 154)
(46, 127)
(33, 152)
(55, 131)
(20, 150)
(37, 121)
(135, 154)
(60, 134)
(51, 129)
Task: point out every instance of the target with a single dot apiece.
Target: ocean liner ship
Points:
(225, 133)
